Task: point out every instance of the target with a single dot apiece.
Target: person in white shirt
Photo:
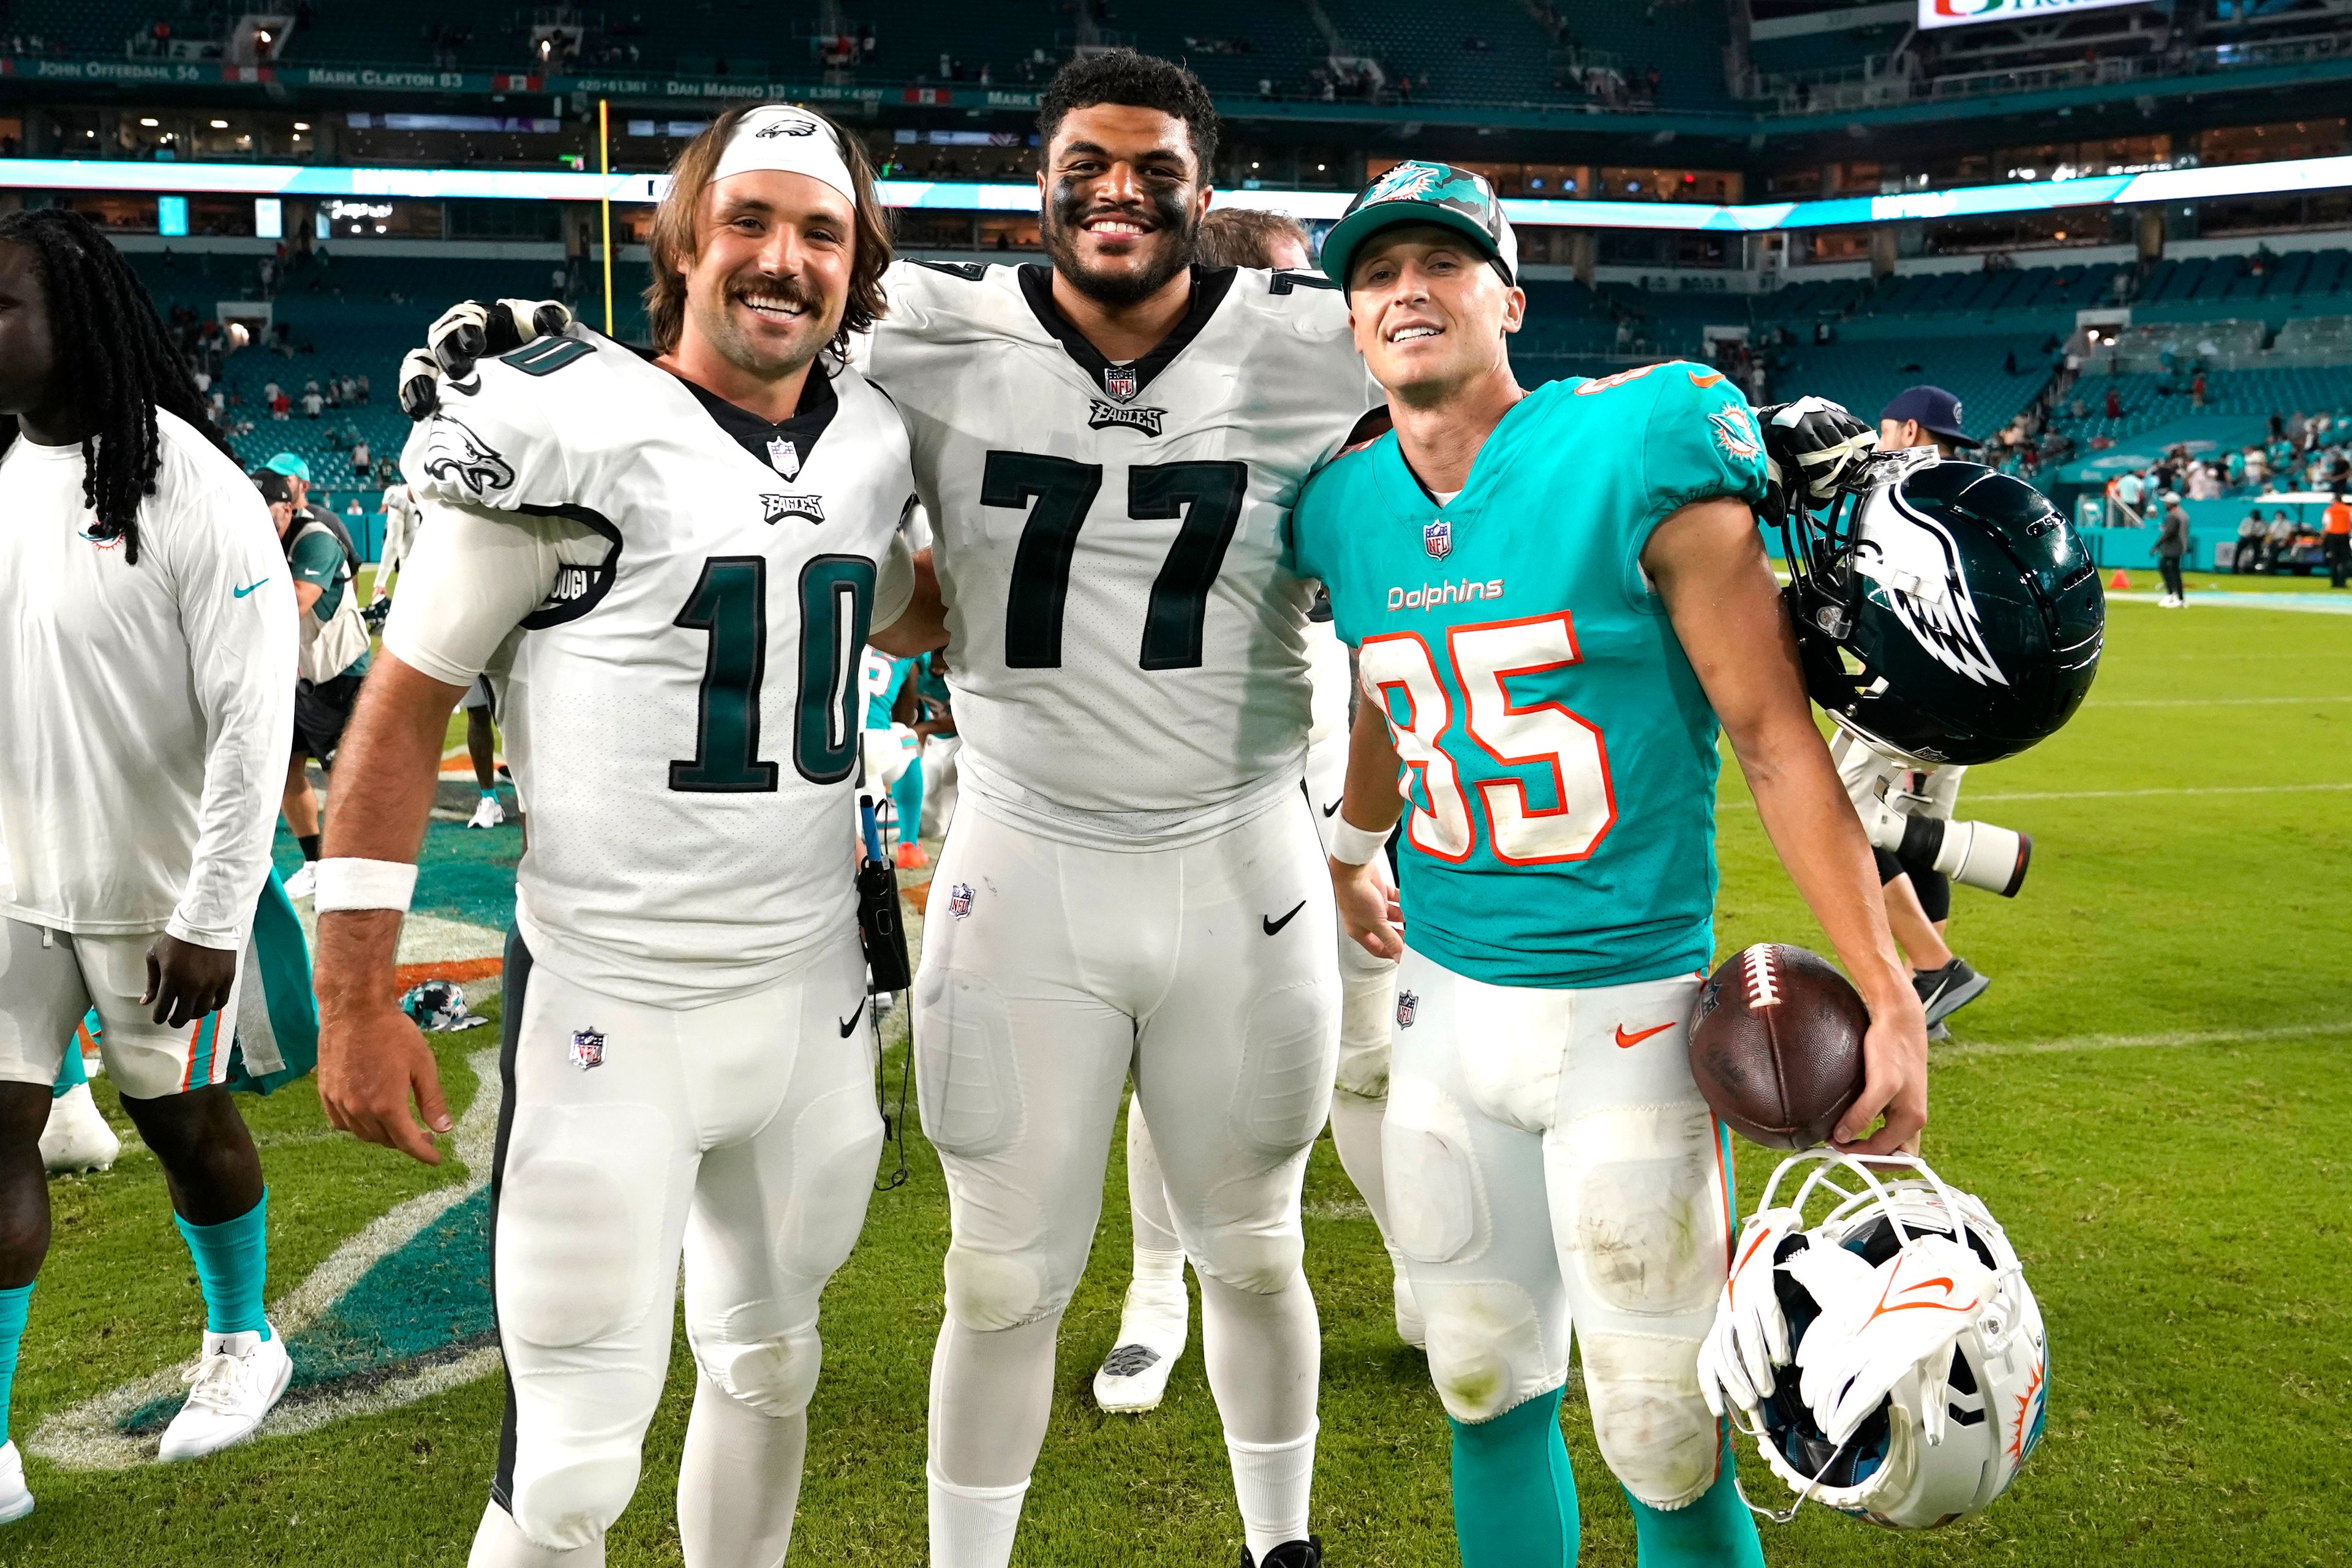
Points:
(401, 515)
(147, 659)
(668, 565)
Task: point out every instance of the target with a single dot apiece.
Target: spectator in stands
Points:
(2335, 539)
(311, 400)
(2204, 482)
(2130, 492)
(2115, 404)
(2248, 557)
(2197, 391)
(360, 459)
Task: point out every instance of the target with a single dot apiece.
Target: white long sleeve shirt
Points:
(147, 711)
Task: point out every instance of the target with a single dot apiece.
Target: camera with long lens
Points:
(1975, 853)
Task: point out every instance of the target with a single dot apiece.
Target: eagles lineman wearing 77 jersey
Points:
(1108, 448)
(672, 566)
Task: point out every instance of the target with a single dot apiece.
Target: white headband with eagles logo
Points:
(780, 136)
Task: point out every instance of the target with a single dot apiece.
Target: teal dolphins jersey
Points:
(1559, 755)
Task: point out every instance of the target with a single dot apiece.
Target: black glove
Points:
(1812, 450)
(464, 333)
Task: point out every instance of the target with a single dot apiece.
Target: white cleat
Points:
(76, 1137)
(1152, 1328)
(488, 813)
(15, 1502)
(302, 883)
(234, 1384)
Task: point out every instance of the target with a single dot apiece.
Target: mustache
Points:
(791, 290)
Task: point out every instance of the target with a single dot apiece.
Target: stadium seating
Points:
(2151, 399)
(1434, 46)
(1866, 375)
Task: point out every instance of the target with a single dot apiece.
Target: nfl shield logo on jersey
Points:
(1437, 538)
(1407, 1005)
(960, 899)
(1118, 380)
(783, 457)
(587, 1048)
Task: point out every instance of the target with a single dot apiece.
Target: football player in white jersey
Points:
(1106, 447)
(147, 689)
(1154, 1321)
(670, 566)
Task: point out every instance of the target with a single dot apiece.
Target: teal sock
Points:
(14, 1304)
(71, 1072)
(907, 795)
(1513, 1495)
(232, 1266)
(1715, 1532)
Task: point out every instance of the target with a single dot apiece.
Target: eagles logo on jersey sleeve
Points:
(508, 436)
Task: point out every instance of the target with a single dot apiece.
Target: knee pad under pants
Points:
(1551, 1162)
(743, 1132)
(1071, 966)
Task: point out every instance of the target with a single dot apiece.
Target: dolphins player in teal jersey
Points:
(1558, 595)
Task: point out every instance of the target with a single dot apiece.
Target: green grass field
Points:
(2153, 1096)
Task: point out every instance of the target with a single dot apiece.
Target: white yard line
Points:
(2129, 793)
(2311, 603)
(2170, 1040)
(2213, 701)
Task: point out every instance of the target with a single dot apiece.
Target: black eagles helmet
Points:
(1971, 605)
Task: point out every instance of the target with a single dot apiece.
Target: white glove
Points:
(464, 333)
(1895, 1321)
(1749, 1337)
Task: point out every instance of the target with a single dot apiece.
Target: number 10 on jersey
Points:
(1399, 671)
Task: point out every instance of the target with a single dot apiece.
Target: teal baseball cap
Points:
(293, 467)
(1423, 193)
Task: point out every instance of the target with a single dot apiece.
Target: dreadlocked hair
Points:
(124, 367)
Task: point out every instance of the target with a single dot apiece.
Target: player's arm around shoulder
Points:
(526, 429)
(1707, 558)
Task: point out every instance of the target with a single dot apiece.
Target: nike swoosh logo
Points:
(1273, 925)
(1709, 379)
(248, 588)
(851, 1022)
(1333, 806)
(1626, 1041)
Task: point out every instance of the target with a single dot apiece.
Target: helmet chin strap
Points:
(1804, 1496)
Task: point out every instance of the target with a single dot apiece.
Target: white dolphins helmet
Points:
(1889, 1360)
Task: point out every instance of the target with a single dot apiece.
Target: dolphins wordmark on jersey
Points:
(683, 717)
(1124, 637)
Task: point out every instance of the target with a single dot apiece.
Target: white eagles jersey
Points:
(683, 716)
(1126, 648)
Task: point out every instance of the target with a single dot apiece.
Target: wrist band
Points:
(347, 882)
(1353, 845)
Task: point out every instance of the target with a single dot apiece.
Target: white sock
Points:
(972, 1526)
(499, 1543)
(1271, 1483)
(739, 1482)
(1356, 1134)
(1146, 1192)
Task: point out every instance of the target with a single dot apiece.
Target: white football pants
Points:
(744, 1131)
(49, 978)
(1204, 970)
(1367, 1012)
(1550, 1160)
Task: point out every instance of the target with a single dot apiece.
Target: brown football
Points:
(1776, 1045)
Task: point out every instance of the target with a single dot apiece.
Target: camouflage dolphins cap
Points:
(1423, 193)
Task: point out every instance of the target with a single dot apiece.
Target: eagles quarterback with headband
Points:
(670, 565)
(1557, 597)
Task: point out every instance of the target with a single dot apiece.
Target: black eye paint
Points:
(1171, 245)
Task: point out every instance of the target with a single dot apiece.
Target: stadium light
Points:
(937, 196)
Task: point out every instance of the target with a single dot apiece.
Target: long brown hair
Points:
(674, 249)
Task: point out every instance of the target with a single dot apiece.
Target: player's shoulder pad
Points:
(864, 400)
(1302, 300)
(503, 435)
(934, 296)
